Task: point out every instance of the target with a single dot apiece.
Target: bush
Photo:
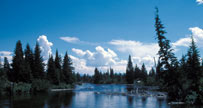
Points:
(62, 86)
(21, 88)
(191, 98)
(40, 85)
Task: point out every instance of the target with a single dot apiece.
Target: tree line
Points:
(136, 74)
(28, 66)
(182, 79)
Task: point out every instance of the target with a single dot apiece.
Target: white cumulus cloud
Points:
(45, 46)
(199, 1)
(135, 48)
(7, 54)
(197, 34)
(100, 57)
(80, 66)
(140, 52)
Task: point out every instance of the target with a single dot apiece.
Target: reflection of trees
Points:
(59, 99)
(144, 101)
(160, 102)
(28, 101)
(130, 100)
(52, 100)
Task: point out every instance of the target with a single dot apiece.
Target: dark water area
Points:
(88, 96)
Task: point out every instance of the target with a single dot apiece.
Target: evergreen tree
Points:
(111, 76)
(59, 67)
(29, 58)
(20, 69)
(96, 76)
(7, 69)
(129, 71)
(68, 70)
(78, 77)
(137, 72)
(38, 71)
(0, 63)
(111, 73)
(193, 71)
(168, 65)
(143, 73)
(152, 72)
(52, 74)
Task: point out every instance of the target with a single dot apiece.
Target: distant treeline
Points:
(99, 77)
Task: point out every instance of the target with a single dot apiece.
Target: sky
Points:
(100, 33)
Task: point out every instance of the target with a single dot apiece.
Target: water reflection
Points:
(87, 96)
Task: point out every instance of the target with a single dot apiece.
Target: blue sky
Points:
(101, 33)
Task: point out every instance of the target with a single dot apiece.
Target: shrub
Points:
(62, 86)
(191, 98)
(40, 85)
(21, 88)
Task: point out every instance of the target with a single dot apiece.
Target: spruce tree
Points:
(194, 73)
(0, 63)
(21, 70)
(7, 69)
(17, 62)
(168, 65)
(129, 71)
(59, 67)
(68, 69)
(29, 58)
(111, 73)
(52, 74)
(137, 72)
(152, 72)
(143, 73)
(97, 77)
(38, 71)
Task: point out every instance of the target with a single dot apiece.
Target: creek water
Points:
(88, 96)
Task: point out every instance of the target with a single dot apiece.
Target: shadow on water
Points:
(42, 100)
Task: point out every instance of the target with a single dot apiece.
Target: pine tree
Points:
(7, 69)
(38, 71)
(52, 74)
(0, 63)
(194, 73)
(59, 67)
(96, 76)
(20, 69)
(143, 73)
(137, 72)
(111, 73)
(167, 69)
(29, 58)
(167, 61)
(152, 72)
(129, 71)
(68, 70)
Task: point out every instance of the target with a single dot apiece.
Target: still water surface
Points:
(87, 96)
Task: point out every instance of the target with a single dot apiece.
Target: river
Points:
(88, 96)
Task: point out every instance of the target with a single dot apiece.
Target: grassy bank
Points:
(20, 88)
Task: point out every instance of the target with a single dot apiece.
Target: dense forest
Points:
(181, 79)
(28, 72)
